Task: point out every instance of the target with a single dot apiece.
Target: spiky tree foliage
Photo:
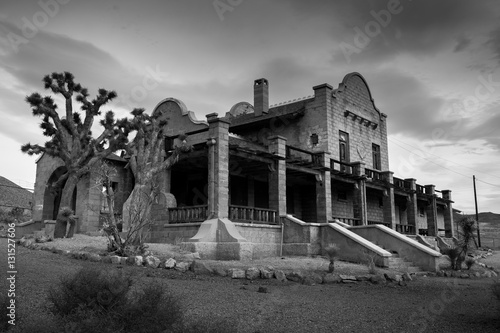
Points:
(70, 135)
(147, 160)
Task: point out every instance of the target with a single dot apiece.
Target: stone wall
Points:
(173, 233)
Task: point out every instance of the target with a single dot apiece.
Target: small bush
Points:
(453, 254)
(369, 260)
(331, 251)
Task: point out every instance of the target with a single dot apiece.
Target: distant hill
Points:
(489, 228)
(13, 195)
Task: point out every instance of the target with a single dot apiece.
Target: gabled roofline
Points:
(343, 85)
(184, 110)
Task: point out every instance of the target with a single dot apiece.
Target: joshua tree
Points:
(70, 136)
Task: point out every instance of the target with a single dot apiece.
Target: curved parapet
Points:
(239, 109)
(180, 119)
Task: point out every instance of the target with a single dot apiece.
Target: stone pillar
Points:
(359, 206)
(448, 214)
(218, 167)
(431, 210)
(388, 200)
(277, 176)
(324, 191)
(412, 208)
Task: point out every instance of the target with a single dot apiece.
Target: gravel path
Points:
(425, 305)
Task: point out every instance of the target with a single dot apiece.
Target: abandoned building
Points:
(259, 172)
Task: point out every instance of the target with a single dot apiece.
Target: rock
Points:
(477, 274)
(280, 275)
(135, 260)
(493, 273)
(377, 279)
(262, 290)
(362, 278)
(199, 267)
(295, 276)
(392, 277)
(266, 273)
(115, 260)
(182, 266)
(481, 264)
(402, 283)
(28, 242)
(347, 277)
(317, 278)
(123, 260)
(236, 273)
(464, 276)
(152, 261)
(192, 256)
(93, 257)
(331, 278)
(407, 277)
(252, 273)
(308, 281)
(220, 271)
(169, 263)
(487, 274)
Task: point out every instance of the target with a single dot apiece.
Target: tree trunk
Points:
(136, 213)
(66, 196)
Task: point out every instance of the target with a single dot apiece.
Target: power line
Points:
(431, 161)
(489, 174)
(482, 181)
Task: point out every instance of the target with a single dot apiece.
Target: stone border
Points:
(253, 273)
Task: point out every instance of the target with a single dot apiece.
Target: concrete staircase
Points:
(399, 264)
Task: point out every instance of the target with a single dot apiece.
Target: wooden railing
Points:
(297, 155)
(187, 214)
(405, 229)
(400, 183)
(420, 189)
(252, 215)
(342, 167)
(377, 222)
(373, 174)
(347, 220)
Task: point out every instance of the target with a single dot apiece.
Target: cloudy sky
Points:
(432, 66)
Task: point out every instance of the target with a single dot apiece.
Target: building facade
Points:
(318, 159)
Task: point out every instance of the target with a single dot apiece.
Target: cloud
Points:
(462, 43)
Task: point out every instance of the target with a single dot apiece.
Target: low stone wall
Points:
(27, 228)
(172, 233)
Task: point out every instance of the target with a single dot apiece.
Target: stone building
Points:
(252, 170)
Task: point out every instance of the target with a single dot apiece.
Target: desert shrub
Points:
(331, 251)
(370, 261)
(453, 254)
(469, 262)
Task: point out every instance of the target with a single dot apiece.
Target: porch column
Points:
(388, 200)
(277, 176)
(324, 191)
(448, 214)
(218, 167)
(412, 208)
(359, 206)
(431, 210)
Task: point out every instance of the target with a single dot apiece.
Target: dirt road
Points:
(425, 305)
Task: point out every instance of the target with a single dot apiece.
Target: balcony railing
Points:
(420, 189)
(252, 215)
(187, 214)
(405, 229)
(296, 155)
(401, 183)
(342, 167)
(373, 174)
(347, 220)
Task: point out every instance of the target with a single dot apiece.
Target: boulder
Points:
(93, 257)
(169, 263)
(236, 273)
(252, 273)
(312, 279)
(392, 277)
(280, 275)
(377, 279)
(362, 278)
(266, 274)
(152, 261)
(182, 266)
(199, 267)
(347, 277)
(331, 278)
(115, 260)
(407, 277)
(135, 260)
(295, 276)
(220, 271)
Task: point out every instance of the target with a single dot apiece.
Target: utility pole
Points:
(477, 214)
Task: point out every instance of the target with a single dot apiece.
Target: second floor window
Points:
(376, 157)
(343, 146)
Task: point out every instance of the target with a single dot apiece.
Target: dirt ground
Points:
(427, 304)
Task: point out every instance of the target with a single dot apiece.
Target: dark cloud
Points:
(462, 43)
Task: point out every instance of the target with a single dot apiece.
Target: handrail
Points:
(252, 215)
(187, 214)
